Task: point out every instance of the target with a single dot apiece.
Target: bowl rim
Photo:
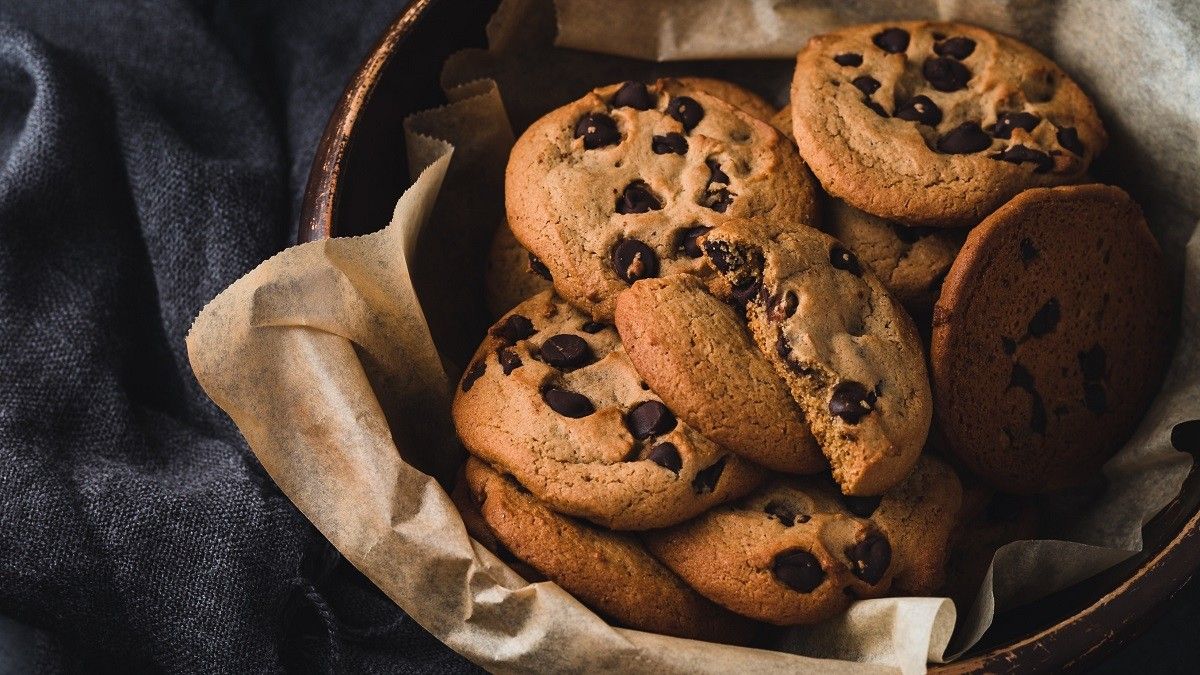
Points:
(1070, 643)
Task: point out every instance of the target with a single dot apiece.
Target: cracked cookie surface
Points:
(551, 398)
(937, 123)
(1050, 336)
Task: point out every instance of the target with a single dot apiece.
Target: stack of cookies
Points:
(751, 365)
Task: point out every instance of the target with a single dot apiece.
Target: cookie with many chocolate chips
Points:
(798, 552)
(551, 398)
(613, 188)
(512, 275)
(1050, 336)
(694, 351)
(937, 123)
(610, 572)
(848, 352)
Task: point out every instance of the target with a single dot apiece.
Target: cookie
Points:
(512, 274)
(937, 124)
(735, 95)
(848, 352)
(798, 552)
(610, 572)
(782, 121)
(551, 399)
(695, 353)
(616, 186)
(1050, 337)
(480, 531)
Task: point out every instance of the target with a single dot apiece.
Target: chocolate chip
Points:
(686, 111)
(783, 306)
(718, 201)
(1092, 363)
(920, 109)
(1028, 251)
(672, 142)
(633, 95)
(781, 511)
(667, 456)
(649, 418)
(1006, 122)
(566, 350)
(875, 107)
(869, 558)
(851, 401)
(687, 242)
(945, 74)
(1068, 137)
(910, 235)
(1045, 319)
(637, 198)
(1021, 378)
(956, 47)
(473, 373)
(592, 327)
(843, 259)
(745, 290)
(1095, 398)
(509, 360)
(848, 59)
(963, 139)
(706, 479)
(1185, 436)
(891, 40)
(597, 130)
(1020, 153)
(866, 84)
(539, 268)
(513, 329)
(862, 507)
(715, 174)
(567, 403)
(633, 260)
(799, 570)
(1009, 345)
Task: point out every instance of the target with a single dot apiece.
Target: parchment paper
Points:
(337, 358)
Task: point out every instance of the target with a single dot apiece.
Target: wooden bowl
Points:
(360, 170)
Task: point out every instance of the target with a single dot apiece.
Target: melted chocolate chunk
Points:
(866, 84)
(945, 74)
(799, 570)
(633, 260)
(688, 243)
(686, 111)
(891, 40)
(637, 198)
(633, 95)
(843, 259)
(781, 511)
(567, 403)
(1095, 398)
(1020, 153)
(1068, 137)
(706, 479)
(513, 329)
(509, 360)
(848, 59)
(851, 401)
(1006, 122)
(1023, 379)
(1028, 251)
(715, 174)
(592, 327)
(566, 350)
(1045, 319)
(539, 268)
(667, 456)
(870, 558)
(718, 201)
(920, 109)
(745, 290)
(1009, 345)
(956, 47)
(597, 131)
(649, 418)
(862, 507)
(783, 306)
(473, 373)
(672, 142)
(1092, 363)
(964, 139)
(875, 107)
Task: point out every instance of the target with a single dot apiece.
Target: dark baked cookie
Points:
(608, 571)
(847, 350)
(1050, 337)
(512, 274)
(616, 186)
(937, 123)
(551, 398)
(798, 552)
(695, 353)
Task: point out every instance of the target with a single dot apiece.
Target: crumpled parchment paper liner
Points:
(336, 359)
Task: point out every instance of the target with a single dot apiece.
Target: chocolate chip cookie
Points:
(1050, 337)
(551, 398)
(617, 186)
(798, 552)
(848, 352)
(609, 572)
(937, 124)
(694, 351)
(512, 274)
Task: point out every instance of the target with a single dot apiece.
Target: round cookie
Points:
(1050, 337)
(798, 552)
(848, 352)
(551, 398)
(695, 353)
(735, 95)
(608, 571)
(512, 274)
(937, 124)
(616, 186)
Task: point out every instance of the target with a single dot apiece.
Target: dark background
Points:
(151, 153)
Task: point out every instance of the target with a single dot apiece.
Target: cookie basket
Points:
(360, 168)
